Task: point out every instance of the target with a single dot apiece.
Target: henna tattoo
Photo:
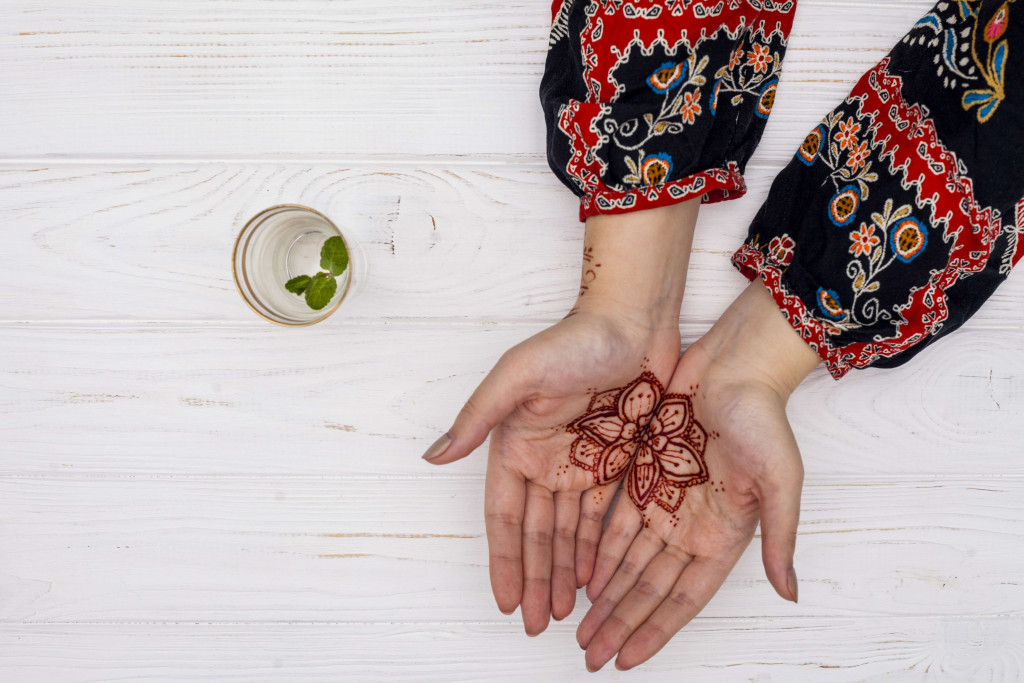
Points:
(586, 278)
(645, 434)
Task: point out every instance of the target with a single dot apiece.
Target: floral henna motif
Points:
(651, 437)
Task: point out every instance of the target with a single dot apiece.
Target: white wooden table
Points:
(190, 493)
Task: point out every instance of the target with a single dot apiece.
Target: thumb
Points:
(780, 513)
(496, 397)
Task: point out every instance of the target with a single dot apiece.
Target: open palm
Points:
(718, 456)
(567, 408)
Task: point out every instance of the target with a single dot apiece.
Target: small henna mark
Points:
(641, 432)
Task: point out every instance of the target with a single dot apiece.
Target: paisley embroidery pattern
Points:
(974, 52)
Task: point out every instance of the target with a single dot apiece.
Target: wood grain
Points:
(97, 243)
(101, 549)
(366, 399)
(315, 78)
(188, 493)
(839, 650)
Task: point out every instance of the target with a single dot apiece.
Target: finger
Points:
(497, 396)
(690, 594)
(538, 527)
(563, 572)
(504, 507)
(779, 497)
(625, 524)
(649, 592)
(593, 509)
(646, 546)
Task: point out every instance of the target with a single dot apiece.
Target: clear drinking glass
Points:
(276, 245)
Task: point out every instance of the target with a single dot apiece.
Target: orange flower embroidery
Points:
(642, 426)
(691, 106)
(858, 155)
(847, 135)
(759, 58)
(864, 240)
(736, 58)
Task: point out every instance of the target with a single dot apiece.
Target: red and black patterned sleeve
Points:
(652, 102)
(902, 211)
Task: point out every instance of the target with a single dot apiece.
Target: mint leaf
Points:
(298, 285)
(334, 256)
(321, 291)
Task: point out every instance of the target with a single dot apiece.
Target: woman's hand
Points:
(550, 479)
(719, 455)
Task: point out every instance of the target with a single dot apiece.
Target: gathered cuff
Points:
(713, 185)
(752, 262)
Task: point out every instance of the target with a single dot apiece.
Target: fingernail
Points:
(438, 447)
(792, 583)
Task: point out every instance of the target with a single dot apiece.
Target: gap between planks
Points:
(528, 160)
(707, 621)
(815, 481)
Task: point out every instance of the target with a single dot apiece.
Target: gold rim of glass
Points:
(245, 276)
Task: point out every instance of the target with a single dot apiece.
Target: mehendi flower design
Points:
(650, 436)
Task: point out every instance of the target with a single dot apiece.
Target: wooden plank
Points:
(314, 78)
(368, 399)
(142, 548)
(466, 242)
(709, 650)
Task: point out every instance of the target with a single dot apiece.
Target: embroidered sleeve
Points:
(652, 102)
(902, 211)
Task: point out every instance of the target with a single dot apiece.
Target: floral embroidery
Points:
(842, 209)
(941, 210)
(668, 76)
(858, 155)
(905, 237)
(908, 239)
(760, 58)
(736, 58)
(656, 168)
(766, 100)
(847, 135)
(742, 81)
(958, 25)
(781, 249)
(837, 134)
(811, 146)
(829, 302)
(691, 107)
(650, 436)
(864, 240)
(625, 87)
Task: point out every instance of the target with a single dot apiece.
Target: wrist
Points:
(753, 341)
(634, 264)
